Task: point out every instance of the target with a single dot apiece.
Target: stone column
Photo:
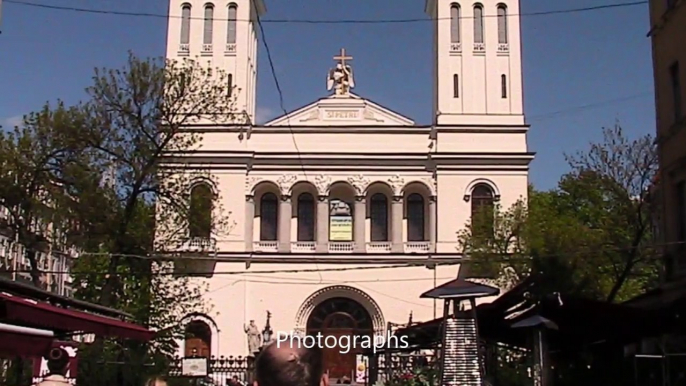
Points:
(433, 224)
(359, 219)
(322, 224)
(397, 225)
(249, 219)
(285, 213)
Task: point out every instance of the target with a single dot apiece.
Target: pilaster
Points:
(322, 224)
(397, 224)
(285, 213)
(249, 220)
(359, 218)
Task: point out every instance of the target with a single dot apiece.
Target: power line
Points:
(410, 263)
(588, 106)
(314, 21)
(281, 102)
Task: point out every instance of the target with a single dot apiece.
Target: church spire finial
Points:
(341, 78)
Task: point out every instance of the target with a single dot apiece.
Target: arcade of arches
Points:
(339, 317)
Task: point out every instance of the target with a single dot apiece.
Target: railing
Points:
(198, 244)
(379, 247)
(266, 246)
(417, 247)
(303, 246)
(503, 48)
(184, 48)
(341, 247)
(221, 370)
(479, 47)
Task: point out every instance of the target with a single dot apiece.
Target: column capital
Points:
(433, 199)
(285, 197)
(397, 198)
(322, 198)
(249, 198)
(360, 198)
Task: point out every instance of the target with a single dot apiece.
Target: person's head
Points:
(58, 361)
(156, 381)
(289, 364)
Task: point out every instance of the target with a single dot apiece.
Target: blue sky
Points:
(582, 71)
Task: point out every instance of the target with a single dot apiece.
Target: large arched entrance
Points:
(340, 317)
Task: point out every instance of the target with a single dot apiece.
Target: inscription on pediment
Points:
(342, 114)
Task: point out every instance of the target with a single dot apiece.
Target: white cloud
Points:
(9, 123)
(263, 114)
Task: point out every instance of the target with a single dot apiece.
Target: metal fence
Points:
(221, 371)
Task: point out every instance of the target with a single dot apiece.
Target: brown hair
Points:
(156, 381)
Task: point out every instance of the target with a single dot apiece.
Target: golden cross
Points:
(342, 57)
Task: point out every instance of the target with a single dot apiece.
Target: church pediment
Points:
(349, 110)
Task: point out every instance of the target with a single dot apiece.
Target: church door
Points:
(336, 318)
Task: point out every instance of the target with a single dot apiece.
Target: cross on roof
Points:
(342, 57)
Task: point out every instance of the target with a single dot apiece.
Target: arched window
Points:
(415, 218)
(269, 207)
(378, 213)
(185, 24)
(483, 200)
(502, 24)
(200, 214)
(478, 23)
(209, 19)
(503, 86)
(198, 339)
(231, 30)
(456, 86)
(305, 217)
(455, 23)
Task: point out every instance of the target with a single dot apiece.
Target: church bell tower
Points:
(223, 33)
(477, 62)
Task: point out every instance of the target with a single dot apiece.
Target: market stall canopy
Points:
(460, 289)
(31, 313)
(24, 341)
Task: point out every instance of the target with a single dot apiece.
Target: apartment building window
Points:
(676, 90)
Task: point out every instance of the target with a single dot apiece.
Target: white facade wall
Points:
(478, 138)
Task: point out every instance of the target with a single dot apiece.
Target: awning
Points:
(24, 341)
(31, 313)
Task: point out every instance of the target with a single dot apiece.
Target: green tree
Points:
(590, 236)
(134, 198)
(34, 158)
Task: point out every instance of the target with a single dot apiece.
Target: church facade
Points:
(345, 211)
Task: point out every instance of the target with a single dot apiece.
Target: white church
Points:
(367, 189)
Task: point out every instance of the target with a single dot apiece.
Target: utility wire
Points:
(410, 263)
(544, 116)
(281, 102)
(315, 21)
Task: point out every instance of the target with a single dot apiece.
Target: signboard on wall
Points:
(341, 228)
(340, 221)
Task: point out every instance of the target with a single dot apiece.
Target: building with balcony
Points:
(668, 32)
(54, 260)
(355, 206)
